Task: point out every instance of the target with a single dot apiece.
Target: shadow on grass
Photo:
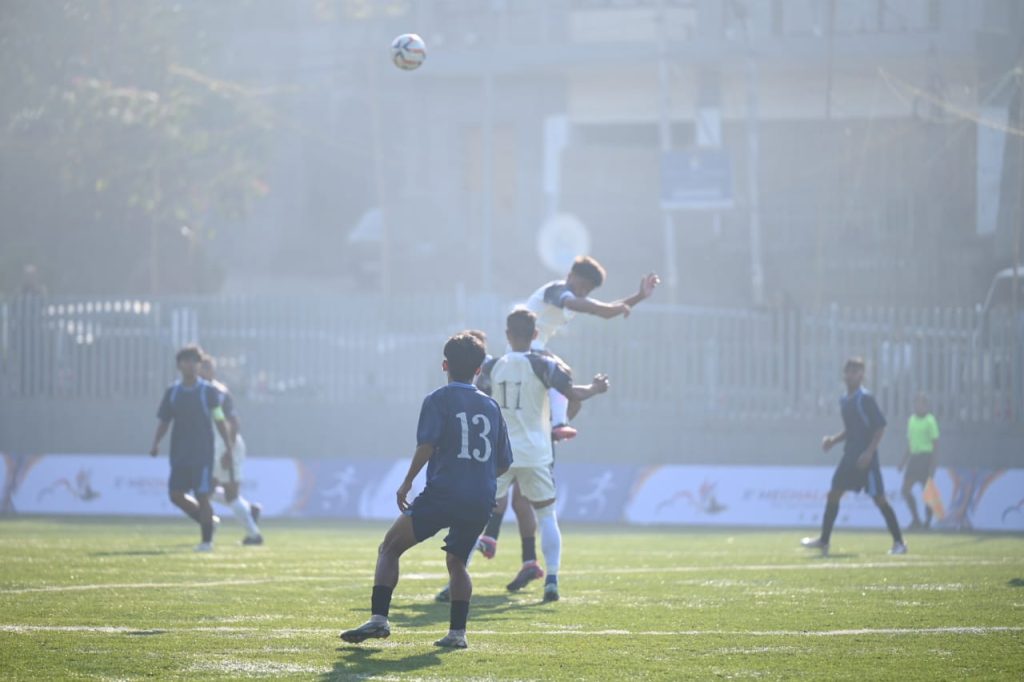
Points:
(834, 555)
(359, 662)
(145, 633)
(1015, 582)
(482, 608)
(135, 552)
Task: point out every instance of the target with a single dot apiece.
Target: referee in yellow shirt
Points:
(919, 461)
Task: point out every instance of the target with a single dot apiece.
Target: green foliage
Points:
(126, 599)
(114, 137)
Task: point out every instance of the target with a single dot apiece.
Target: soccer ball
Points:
(408, 51)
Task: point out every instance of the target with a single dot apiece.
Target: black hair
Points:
(588, 268)
(464, 353)
(190, 352)
(521, 324)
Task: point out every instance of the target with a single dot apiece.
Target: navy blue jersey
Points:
(483, 379)
(861, 419)
(471, 444)
(190, 409)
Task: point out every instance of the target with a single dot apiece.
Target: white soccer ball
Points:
(408, 51)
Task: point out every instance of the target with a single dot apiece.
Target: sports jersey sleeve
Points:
(876, 420)
(557, 295)
(483, 381)
(553, 374)
(428, 432)
(166, 411)
(228, 405)
(502, 446)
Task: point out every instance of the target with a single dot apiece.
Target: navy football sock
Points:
(380, 602)
(459, 615)
(829, 520)
(890, 521)
(529, 549)
(493, 525)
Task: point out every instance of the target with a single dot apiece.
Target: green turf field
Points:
(124, 600)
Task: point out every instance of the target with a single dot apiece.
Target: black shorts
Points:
(464, 522)
(849, 476)
(919, 469)
(189, 476)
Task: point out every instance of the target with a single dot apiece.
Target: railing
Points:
(681, 362)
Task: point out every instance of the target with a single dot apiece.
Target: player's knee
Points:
(545, 508)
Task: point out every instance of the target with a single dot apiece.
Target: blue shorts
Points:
(849, 476)
(464, 522)
(189, 476)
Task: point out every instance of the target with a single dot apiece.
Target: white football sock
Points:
(559, 407)
(243, 512)
(550, 539)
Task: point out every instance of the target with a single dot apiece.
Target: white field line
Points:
(951, 630)
(808, 566)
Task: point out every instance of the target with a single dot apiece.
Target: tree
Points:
(120, 153)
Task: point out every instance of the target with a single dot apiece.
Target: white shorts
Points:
(537, 484)
(223, 475)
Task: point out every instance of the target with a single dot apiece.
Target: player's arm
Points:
(161, 431)
(829, 441)
(224, 429)
(612, 309)
(580, 392)
(864, 461)
(419, 460)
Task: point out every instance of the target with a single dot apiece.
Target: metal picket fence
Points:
(678, 361)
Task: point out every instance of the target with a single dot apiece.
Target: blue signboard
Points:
(698, 179)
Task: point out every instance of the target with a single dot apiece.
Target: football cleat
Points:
(815, 543)
(527, 574)
(444, 596)
(453, 641)
(487, 546)
(551, 592)
(253, 540)
(204, 547)
(563, 432)
(368, 630)
(898, 548)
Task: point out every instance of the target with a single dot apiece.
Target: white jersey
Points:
(520, 383)
(548, 304)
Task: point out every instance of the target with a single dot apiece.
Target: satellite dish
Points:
(560, 240)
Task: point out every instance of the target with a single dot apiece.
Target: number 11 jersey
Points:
(520, 383)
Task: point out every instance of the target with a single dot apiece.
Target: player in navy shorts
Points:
(193, 406)
(463, 442)
(863, 426)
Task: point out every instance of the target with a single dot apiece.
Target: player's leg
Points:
(876, 489)
(178, 486)
(907, 491)
(228, 493)
(551, 545)
(398, 539)
(458, 544)
(828, 520)
(538, 486)
(561, 410)
(527, 522)
(203, 487)
(488, 544)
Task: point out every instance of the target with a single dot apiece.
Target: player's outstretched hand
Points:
(402, 495)
(648, 284)
(154, 452)
(827, 443)
(601, 383)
